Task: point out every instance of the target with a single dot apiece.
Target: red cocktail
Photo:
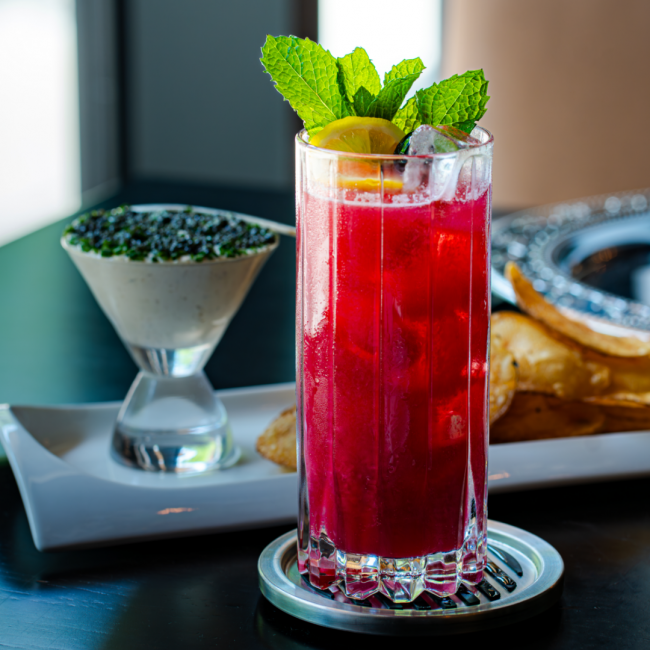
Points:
(393, 330)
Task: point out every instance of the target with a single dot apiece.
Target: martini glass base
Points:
(173, 424)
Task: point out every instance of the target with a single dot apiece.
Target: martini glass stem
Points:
(173, 424)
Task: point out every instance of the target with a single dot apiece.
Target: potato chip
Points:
(630, 375)
(621, 418)
(503, 379)
(536, 306)
(278, 442)
(533, 416)
(626, 400)
(629, 380)
(548, 363)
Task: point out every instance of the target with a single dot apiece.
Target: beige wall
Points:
(570, 88)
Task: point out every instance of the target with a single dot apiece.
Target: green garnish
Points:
(408, 117)
(397, 83)
(306, 75)
(459, 101)
(358, 73)
(322, 89)
(165, 235)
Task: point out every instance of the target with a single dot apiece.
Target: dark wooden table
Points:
(57, 347)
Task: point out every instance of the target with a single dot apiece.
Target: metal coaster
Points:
(523, 578)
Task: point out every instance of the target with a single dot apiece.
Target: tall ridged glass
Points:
(393, 307)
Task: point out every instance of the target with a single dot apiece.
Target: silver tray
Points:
(533, 572)
(558, 245)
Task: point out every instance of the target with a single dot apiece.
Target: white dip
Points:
(171, 305)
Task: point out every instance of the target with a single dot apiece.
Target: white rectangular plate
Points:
(75, 494)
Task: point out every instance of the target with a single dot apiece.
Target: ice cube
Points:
(440, 173)
(428, 139)
(462, 139)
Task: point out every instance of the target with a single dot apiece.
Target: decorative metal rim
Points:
(541, 561)
(527, 238)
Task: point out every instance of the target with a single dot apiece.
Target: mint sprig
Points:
(408, 117)
(322, 88)
(405, 69)
(359, 80)
(358, 72)
(363, 99)
(360, 83)
(397, 83)
(306, 75)
(458, 101)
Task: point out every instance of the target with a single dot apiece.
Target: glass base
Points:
(401, 580)
(173, 424)
(164, 362)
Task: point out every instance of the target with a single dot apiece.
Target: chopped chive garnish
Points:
(165, 235)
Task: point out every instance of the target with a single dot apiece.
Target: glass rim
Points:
(300, 141)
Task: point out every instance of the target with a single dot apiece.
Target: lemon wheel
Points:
(359, 135)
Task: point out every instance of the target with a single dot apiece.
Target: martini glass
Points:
(171, 316)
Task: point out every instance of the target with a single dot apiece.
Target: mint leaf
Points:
(467, 126)
(356, 72)
(362, 100)
(460, 101)
(397, 83)
(390, 98)
(407, 118)
(306, 75)
(404, 69)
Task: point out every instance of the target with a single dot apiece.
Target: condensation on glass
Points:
(393, 306)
